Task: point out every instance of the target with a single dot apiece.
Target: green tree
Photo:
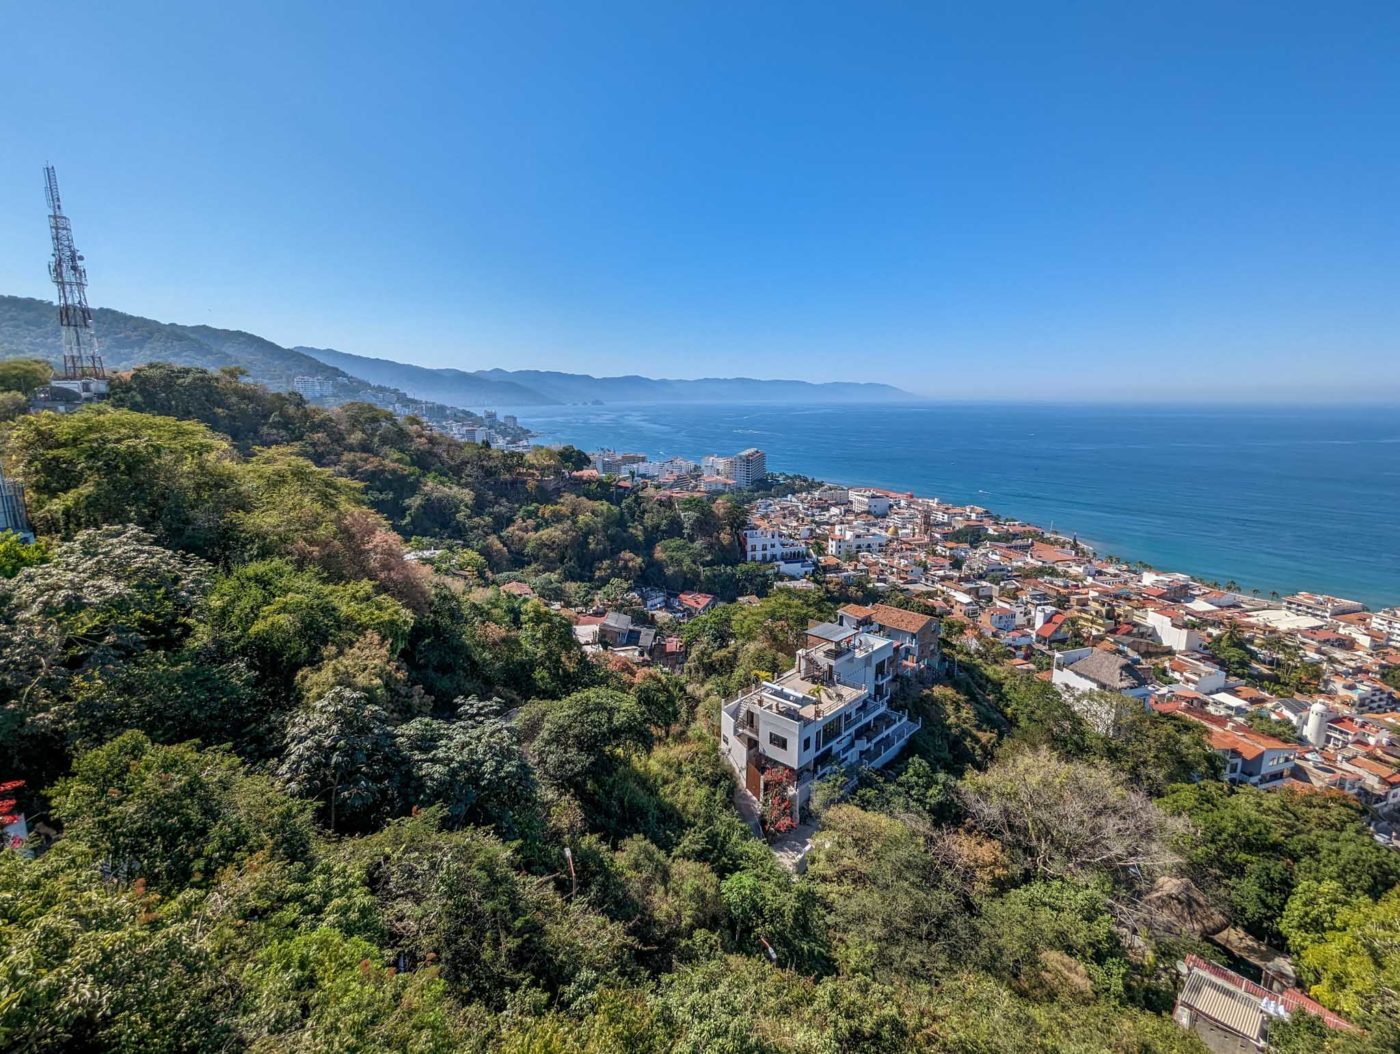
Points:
(472, 766)
(101, 465)
(781, 620)
(341, 752)
(891, 910)
(16, 554)
(173, 814)
(1355, 967)
(585, 734)
(325, 993)
(281, 619)
(88, 963)
(24, 375)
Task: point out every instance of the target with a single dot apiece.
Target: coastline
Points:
(1276, 500)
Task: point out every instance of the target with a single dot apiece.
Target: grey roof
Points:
(830, 631)
(617, 620)
(1112, 671)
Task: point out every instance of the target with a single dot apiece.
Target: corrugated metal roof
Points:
(1224, 1004)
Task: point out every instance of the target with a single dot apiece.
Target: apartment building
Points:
(828, 713)
(848, 539)
(750, 466)
(870, 502)
(13, 514)
(1387, 623)
(1319, 605)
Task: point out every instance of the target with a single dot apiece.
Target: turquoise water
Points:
(1274, 498)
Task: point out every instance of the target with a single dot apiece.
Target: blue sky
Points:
(1047, 200)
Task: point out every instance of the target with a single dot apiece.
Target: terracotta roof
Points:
(908, 621)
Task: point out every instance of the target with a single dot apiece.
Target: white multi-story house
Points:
(1196, 674)
(714, 465)
(1387, 623)
(313, 387)
(870, 502)
(1172, 630)
(768, 545)
(827, 714)
(847, 539)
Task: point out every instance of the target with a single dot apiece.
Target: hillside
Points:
(454, 386)
(534, 387)
(28, 328)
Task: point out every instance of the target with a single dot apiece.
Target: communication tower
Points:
(82, 362)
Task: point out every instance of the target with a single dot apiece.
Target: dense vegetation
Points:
(304, 795)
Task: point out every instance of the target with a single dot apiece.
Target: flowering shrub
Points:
(776, 810)
(8, 811)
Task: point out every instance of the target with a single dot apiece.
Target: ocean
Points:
(1276, 499)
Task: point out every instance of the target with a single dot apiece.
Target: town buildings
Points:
(313, 387)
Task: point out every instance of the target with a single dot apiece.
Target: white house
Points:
(768, 545)
(1172, 630)
(847, 539)
(828, 713)
(1092, 669)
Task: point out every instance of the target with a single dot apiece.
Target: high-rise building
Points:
(750, 466)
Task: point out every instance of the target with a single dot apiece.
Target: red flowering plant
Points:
(9, 808)
(776, 808)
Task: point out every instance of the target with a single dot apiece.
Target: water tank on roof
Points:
(1315, 728)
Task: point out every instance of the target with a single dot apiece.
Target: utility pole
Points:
(82, 362)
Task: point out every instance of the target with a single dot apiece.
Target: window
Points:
(807, 743)
(777, 741)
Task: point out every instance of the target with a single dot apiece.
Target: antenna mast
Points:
(81, 359)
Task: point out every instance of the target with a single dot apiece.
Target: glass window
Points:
(778, 741)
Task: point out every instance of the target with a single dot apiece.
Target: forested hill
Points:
(527, 387)
(292, 791)
(28, 328)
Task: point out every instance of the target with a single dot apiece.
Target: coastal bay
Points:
(1273, 498)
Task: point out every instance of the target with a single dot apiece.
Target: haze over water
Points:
(1275, 498)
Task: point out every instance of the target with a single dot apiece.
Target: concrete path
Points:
(792, 848)
(748, 809)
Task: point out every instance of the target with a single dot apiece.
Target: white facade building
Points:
(848, 538)
(830, 712)
(1319, 605)
(1387, 623)
(750, 466)
(1173, 632)
(869, 502)
(313, 387)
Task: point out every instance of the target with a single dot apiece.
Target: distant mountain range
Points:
(536, 387)
(28, 327)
